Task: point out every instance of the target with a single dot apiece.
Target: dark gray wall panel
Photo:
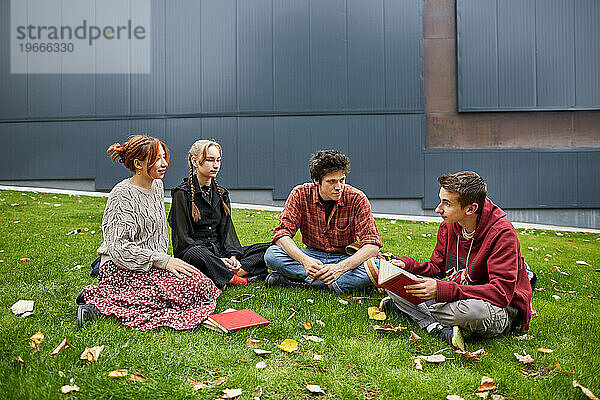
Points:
(181, 134)
(329, 133)
(477, 54)
(77, 149)
(588, 171)
(403, 58)
(365, 55)
(225, 132)
(516, 54)
(13, 87)
(518, 179)
(107, 173)
(148, 90)
(255, 153)
(291, 147)
(405, 136)
(183, 55)
(255, 55)
(43, 94)
(78, 92)
(328, 55)
(368, 157)
(291, 61)
(587, 53)
(487, 165)
(13, 136)
(557, 182)
(438, 163)
(218, 61)
(555, 53)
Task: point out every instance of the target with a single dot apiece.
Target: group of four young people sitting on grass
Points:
(486, 289)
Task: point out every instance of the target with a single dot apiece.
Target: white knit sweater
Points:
(134, 227)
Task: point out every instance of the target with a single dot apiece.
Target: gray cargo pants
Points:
(471, 315)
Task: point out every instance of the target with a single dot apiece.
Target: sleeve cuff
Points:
(159, 260)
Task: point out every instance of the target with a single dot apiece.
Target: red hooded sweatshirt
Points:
(495, 273)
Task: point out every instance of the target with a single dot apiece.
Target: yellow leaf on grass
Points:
(316, 389)
(118, 373)
(63, 345)
(524, 358)
(137, 378)
(36, 340)
(91, 353)
(543, 350)
(68, 389)
(313, 338)
(376, 314)
(288, 345)
(307, 325)
(251, 342)
(487, 384)
(231, 393)
(585, 391)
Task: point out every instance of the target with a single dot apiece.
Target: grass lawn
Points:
(41, 263)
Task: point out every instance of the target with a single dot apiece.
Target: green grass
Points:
(358, 363)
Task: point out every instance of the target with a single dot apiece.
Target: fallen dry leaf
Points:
(319, 322)
(61, 374)
(482, 395)
(342, 301)
(497, 396)
(454, 397)
(316, 389)
(543, 350)
(68, 389)
(20, 361)
(524, 358)
(251, 342)
(487, 384)
(313, 338)
(118, 373)
(310, 301)
(413, 336)
(206, 384)
(22, 306)
(525, 336)
(257, 392)
(261, 352)
(231, 393)
(306, 325)
(217, 382)
(318, 357)
(376, 314)
(91, 353)
(24, 259)
(36, 340)
(474, 356)
(582, 263)
(288, 345)
(261, 365)
(435, 358)
(562, 370)
(63, 345)
(585, 391)
(26, 314)
(137, 378)
(418, 364)
(389, 328)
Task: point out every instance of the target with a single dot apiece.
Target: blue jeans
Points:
(278, 260)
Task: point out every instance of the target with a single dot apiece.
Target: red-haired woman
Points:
(201, 226)
(139, 282)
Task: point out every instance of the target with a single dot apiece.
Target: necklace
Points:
(468, 235)
(205, 190)
(466, 275)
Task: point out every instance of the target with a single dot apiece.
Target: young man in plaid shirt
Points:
(330, 215)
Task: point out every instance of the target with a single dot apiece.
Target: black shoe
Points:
(86, 313)
(79, 300)
(388, 306)
(451, 336)
(276, 279)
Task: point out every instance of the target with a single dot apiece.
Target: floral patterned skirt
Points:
(146, 300)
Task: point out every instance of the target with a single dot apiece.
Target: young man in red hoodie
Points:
(488, 290)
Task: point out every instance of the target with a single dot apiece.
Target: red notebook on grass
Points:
(233, 320)
(395, 278)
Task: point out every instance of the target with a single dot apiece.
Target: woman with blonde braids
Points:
(201, 227)
(139, 283)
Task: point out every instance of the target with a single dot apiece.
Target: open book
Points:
(232, 320)
(395, 278)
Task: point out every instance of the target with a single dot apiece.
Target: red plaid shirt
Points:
(351, 217)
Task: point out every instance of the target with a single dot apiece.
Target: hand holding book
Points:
(425, 289)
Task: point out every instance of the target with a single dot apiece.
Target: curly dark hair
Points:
(471, 187)
(327, 161)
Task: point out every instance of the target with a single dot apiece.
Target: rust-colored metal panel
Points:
(586, 128)
(440, 72)
(439, 19)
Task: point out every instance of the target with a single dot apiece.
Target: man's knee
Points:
(273, 255)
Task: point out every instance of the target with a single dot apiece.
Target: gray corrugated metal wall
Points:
(528, 55)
